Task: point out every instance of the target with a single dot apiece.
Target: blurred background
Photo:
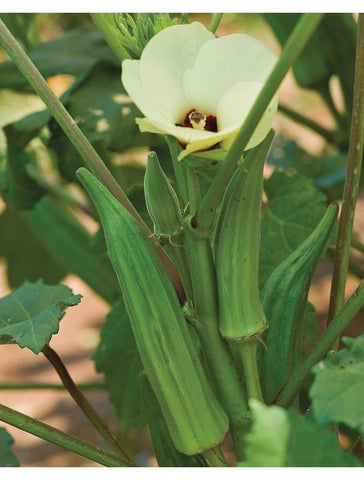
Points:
(80, 329)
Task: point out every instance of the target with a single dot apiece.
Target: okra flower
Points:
(199, 88)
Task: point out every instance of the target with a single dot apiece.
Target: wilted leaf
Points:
(118, 358)
(7, 458)
(30, 315)
(283, 439)
(337, 391)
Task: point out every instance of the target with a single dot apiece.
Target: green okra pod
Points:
(237, 249)
(284, 300)
(195, 419)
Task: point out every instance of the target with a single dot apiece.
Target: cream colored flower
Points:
(199, 88)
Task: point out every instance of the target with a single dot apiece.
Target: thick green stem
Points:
(247, 350)
(291, 51)
(53, 435)
(107, 24)
(85, 406)
(341, 263)
(216, 351)
(215, 22)
(215, 457)
(335, 329)
(312, 125)
(78, 139)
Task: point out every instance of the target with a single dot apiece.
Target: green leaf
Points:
(327, 171)
(30, 315)
(7, 458)
(118, 358)
(337, 391)
(71, 54)
(283, 439)
(25, 255)
(24, 28)
(295, 207)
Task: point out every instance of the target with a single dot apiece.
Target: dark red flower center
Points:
(199, 121)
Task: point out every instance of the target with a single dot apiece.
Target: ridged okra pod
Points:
(195, 419)
(165, 211)
(284, 300)
(237, 250)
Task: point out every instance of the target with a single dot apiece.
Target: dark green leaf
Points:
(295, 207)
(7, 458)
(338, 389)
(30, 315)
(284, 439)
(164, 449)
(24, 28)
(25, 255)
(72, 53)
(328, 171)
(118, 358)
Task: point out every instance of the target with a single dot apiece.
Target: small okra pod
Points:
(237, 240)
(195, 419)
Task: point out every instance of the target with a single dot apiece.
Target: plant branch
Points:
(79, 141)
(50, 386)
(291, 51)
(297, 117)
(53, 435)
(247, 350)
(335, 329)
(341, 262)
(215, 22)
(85, 406)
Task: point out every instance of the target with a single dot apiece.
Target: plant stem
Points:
(297, 117)
(291, 51)
(184, 18)
(79, 141)
(215, 457)
(216, 19)
(357, 244)
(216, 351)
(85, 406)
(335, 329)
(53, 435)
(107, 24)
(247, 350)
(50, 386)
(341, 262)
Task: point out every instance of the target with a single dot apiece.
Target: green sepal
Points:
(195, 419)
(237, 238)
(284, 300)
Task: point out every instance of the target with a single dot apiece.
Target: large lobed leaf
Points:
(337, 391)
(283, 439)
(295, 207)
(7, 458)
(30, 315)
(118, 358)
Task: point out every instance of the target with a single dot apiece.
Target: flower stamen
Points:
(199, 121)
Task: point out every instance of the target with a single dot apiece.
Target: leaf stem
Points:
(341, 262)
(291, 51)
(53, 435)
(215, 457)
(85, 406)
(335, 329)
(307, 122)
(215, 22)
(50, 386)
(79, 141)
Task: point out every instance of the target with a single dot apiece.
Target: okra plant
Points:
(205, 257)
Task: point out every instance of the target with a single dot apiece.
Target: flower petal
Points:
(234, 107)
(163, 63)
(221, 64)
(131, 80)
(196, 140)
